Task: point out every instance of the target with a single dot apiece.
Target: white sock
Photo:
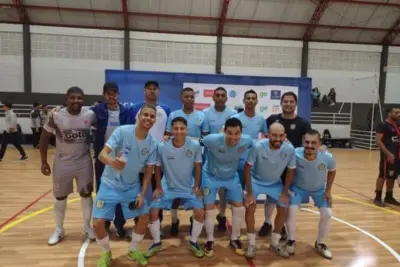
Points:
(104, 243)
(59, 211)
(174, 215)
(136, 238)
(268, 211)
(222, 203)
(209, 224)
(251, 239)
(238, 214)
(291, 222)
(324, 222)
(196, 231)
(275, 239)
(155, 231)
(87, 206)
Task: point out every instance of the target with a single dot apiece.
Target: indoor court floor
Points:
(361, 234)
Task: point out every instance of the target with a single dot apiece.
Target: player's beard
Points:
(277, 144)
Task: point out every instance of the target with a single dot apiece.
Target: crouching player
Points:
(127, 151)
(265, 164)
(314, 176)
(179, 158)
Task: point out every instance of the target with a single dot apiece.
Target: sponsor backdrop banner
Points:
(269, 96)
(269, 89)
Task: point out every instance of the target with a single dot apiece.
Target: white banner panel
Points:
(268, 95)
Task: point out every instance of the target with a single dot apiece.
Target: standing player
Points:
(387, 139)
(129, 149)
(265, 164)
(214, 120)
(179, 158)
(195, 129)
(72, 160)
(224, 151)
(314, 176)
(295, 128)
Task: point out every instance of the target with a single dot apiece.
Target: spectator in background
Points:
(331, 98)
(316, 95)
(36, 124)
(10, 134)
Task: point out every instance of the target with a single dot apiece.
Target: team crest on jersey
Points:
(240, 149)
(283, 156)
(144, 151)
(100, 204)
(321, 167)
(189, 153)
(206, 191)
(292, 126)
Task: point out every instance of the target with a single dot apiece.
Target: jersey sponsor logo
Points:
(189, 153)
(395, 139)
(292, 127)
(76, 136)
(275, 94)
(170, 157)
(321, 167)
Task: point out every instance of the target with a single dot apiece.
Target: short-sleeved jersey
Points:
(391, 136)
(73, 133)
(222, 161)
(295, 128)
(137, 153)
(195, 122)
(268, 164)
(252, 126)
(215, 120)
(178, 164)
(311, 175)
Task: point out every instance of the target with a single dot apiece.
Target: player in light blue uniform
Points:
(266, 162)
(195, 129)
(179, 158)
(215, 118)
(127, 151)
(220, 171)
(314, 176)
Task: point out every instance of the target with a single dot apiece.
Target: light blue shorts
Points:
(273, 191)
(211, 186)
(188, 200)
(300, 195)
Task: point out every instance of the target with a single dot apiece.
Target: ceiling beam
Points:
(222, 17)
(369, 3)
(23, 15)
(392, 33)
(125, 13)
(319, 11)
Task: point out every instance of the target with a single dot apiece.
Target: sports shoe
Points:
(250, 252)
(153, 249)
(284, 235)
(209, 249)
(105, 260)
(290, 246)
(237, 247)
(379, 203)
(323, 250)
(265, 230)
(56, 237)
(195, 248)
(392, 201)
(138, 257)
(89, 233)
(221, 223)
(121, 232)
(280, 251)
(23, 158)
(175, 228)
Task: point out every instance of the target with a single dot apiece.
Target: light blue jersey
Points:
(222, 160)
(195, 122)
(311, 175)
(215, 120)
(268, 164)
(137, 153)
(178, 164)
(252, 126)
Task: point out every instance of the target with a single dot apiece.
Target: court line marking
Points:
(30, 204)
(367, 204)
(82, 253)
(383, 244)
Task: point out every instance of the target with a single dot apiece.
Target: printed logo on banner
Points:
(197, 92)
(263, 108)
(208, 92)
(276, 108)
(263, 94)
(232, 93)
(275, 94)
(201, 106)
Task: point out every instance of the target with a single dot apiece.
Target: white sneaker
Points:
(56, 237)
(250, 252)
(280, 251)
(89, 233)
(323, 250)
(290, 246)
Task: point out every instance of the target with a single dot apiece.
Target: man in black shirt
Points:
(387, 139)
(295, 128)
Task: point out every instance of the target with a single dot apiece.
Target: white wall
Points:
(11, 59)
(353, 70)
(392, 95)
(65, 57)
